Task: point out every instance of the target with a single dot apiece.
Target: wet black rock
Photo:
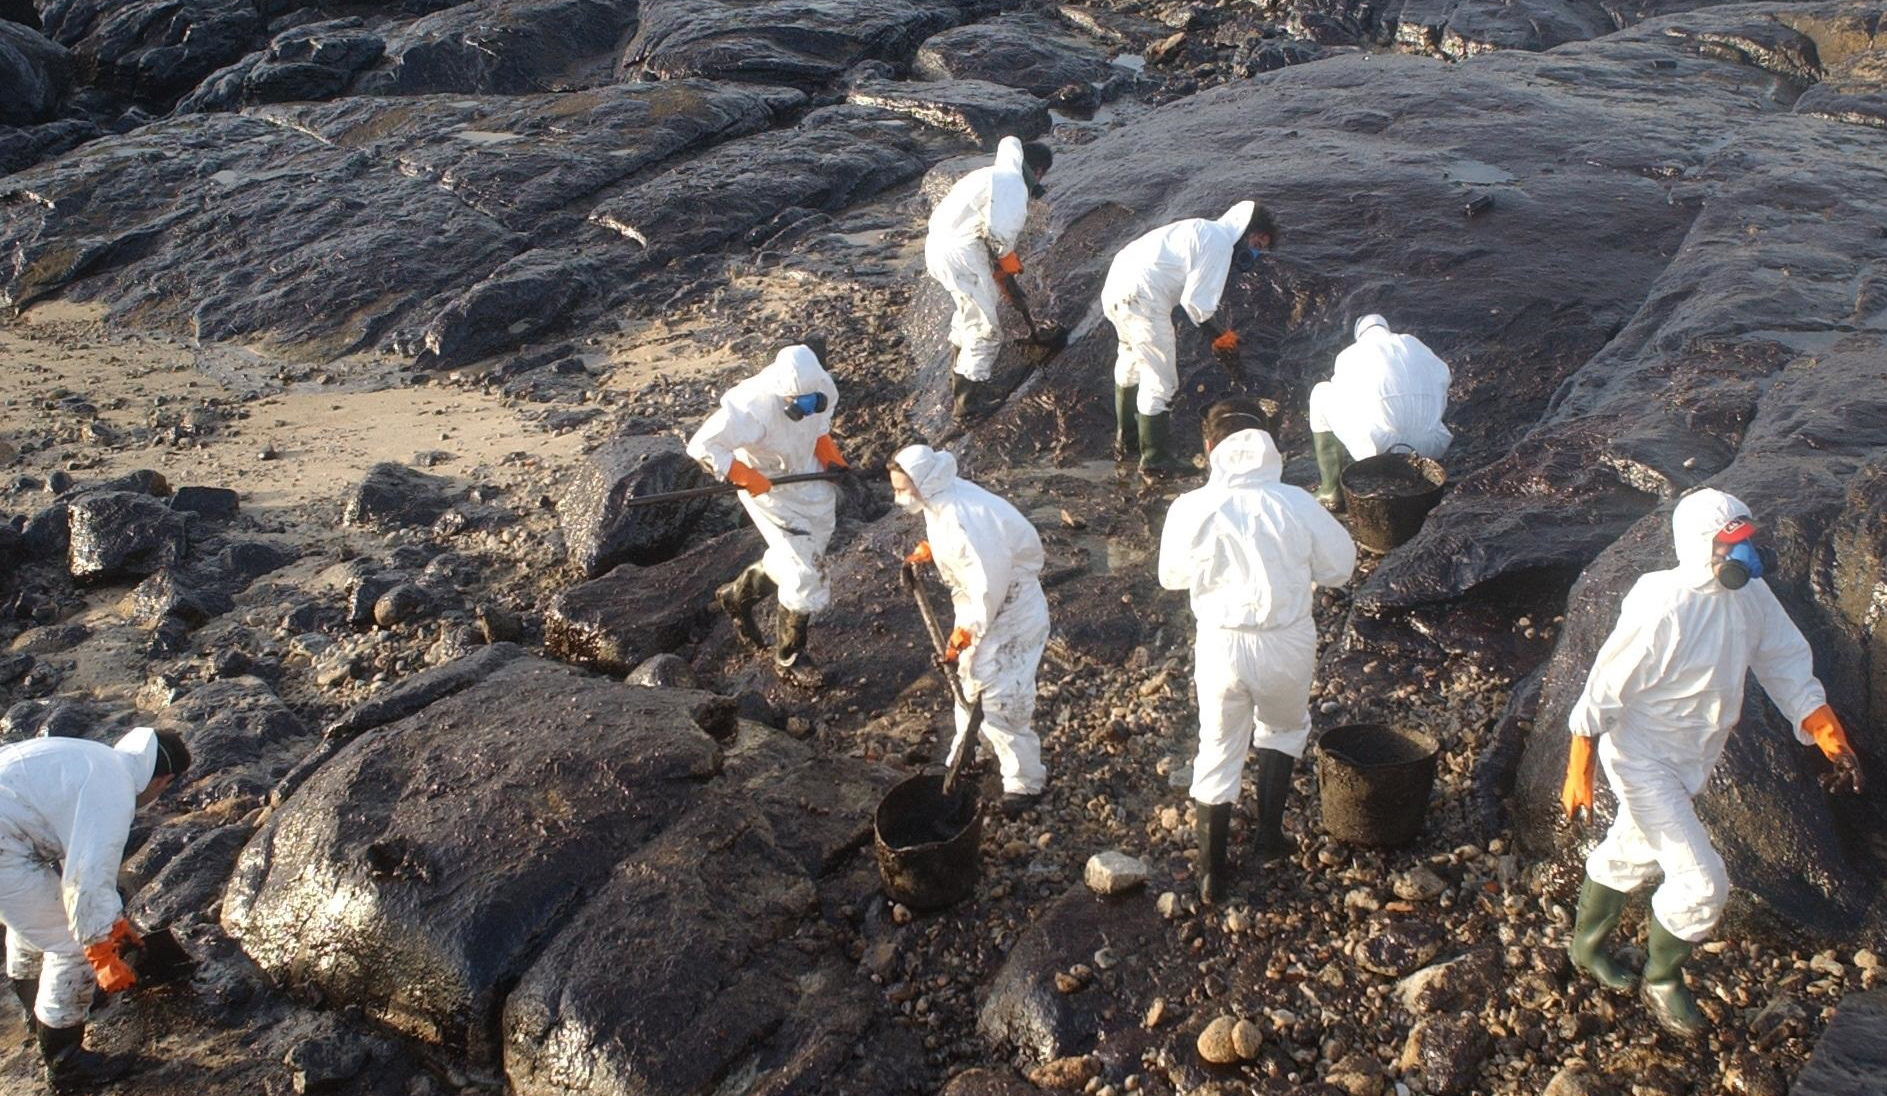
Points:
(153, 50)
(679, 968)
(251, 559)
(779, 41)
(600, 531)
(1461, 28)
(1033, 53)
(392, 495)
(242, 738)
(325, 1064)
(172, 592)
(979, 109)
(1447, 1052)
(988, 1082)
(1851, 1057)
(1396, 948)
(58, 717)
(419, 870)
(502, 46)
(35, 71)
(117, 534)
(527, 295)
(664, 671)
(1024, 1009)
(615, 622)
(402, 604)
(191, 880)
(215, 503)
(308, 62)
(22, 148)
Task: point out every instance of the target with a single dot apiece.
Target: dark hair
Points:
(1263, 221)
(173, 757)
(1037, 156)
(1235, 413)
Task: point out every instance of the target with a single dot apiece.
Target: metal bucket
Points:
(1388, 495)
(1375, 781)
(929, 848)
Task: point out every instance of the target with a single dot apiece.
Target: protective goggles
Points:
(806, 403)
(1737, 557)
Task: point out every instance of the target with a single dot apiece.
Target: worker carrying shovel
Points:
(1664, 691)
(991, 558)
(778, 423)
(66, 806)
(971, 251)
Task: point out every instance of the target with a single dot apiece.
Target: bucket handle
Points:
(1405, 447)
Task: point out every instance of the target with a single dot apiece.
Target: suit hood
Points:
(1249, 456)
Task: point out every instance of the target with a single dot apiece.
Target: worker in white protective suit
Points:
(991, 558)
(1386, 390)
(1184, 264)
(1249, 550)
(65, 811)
(971, 251)
(1663, 694)
(778, 422)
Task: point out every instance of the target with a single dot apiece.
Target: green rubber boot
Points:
(1156, 448)
(1664, 991)
(738, 598)
(1330, 462)
(1599, 910)
(1126, 431)
(1274, 786)
(966, 397)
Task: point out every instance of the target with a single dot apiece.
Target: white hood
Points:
(139, 746)
(931, 472)
(1246, 458)
(1365, 323)
(1694, 526)
(1237, 218)
(796, 370)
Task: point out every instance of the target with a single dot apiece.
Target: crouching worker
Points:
(778, 422)
(1664, 691)
(1249, 549)
(69, 802)
(1386, 390)
(991, 558)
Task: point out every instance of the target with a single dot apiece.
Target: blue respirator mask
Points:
(1245, 259)
(1737, 558)
(806, 403)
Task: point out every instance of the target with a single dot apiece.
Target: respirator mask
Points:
(1245, 259)
(1735, 557)
(807, 403)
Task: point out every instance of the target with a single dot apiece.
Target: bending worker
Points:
(1249, 549)
(69, 802)
(971, 252)
(778, 422)
(1184, 264)
(1387, 389)
(991, 558)
(1664, 691)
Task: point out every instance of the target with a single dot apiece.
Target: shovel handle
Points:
(964, 743)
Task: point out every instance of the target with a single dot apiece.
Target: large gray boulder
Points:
(154, 50)
(35, 73)
(503, 46)
(118, 534)
(1029, 52)
(1851, 1055)
(614, 622)
(418, 872)
(601, 530)
(790, 42)
(719, 897)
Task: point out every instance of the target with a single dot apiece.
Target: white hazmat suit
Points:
(1385, 389)
(1249, 549)
(65, 810)
(991, 558)
(981, 216)
(1663, 694)
(1183, 264)
(795, 519)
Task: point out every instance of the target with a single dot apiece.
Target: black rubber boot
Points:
(1126, 430)
(1599, 910)
(790, 659)
(738, 598)
(27, 990)
(1274, 786)
(1156, 448)
(1330, 462)
(966, 397)
(1664, 991)
(72, 1068)
(1210, 822)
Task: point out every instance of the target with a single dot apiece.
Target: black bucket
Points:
(929, 848)
(1388, 495)
(1375, 782)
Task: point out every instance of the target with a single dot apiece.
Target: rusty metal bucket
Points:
(929, 845)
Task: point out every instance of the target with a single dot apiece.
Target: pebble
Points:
(1168, 905)
(1866, 960)
(1114, 872)
(900, 913)
(1417, 885)
(1577, 1079)
(1155, 1013)
(1215, 1043)
(1247, 1040)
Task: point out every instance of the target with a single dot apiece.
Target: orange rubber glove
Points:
(1826, 730)
(919, 554)
(748, 480)
(1225, 343)
(828, 453)
(1577, 791)
(114, 974)
(959, 639)
(122, 933)
(1009, 266)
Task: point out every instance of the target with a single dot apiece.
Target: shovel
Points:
(1049, 337)
(964, 744)
(160, 960)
